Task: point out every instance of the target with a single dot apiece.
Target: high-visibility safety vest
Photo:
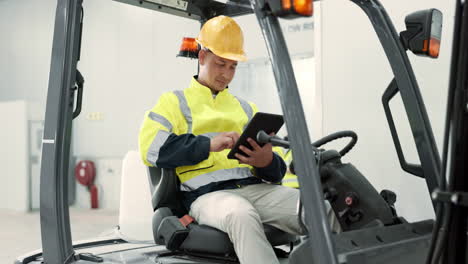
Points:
(195, 110)
(290, 179)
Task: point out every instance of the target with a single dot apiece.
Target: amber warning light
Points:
(189, 48)
(423, 32)
(291, 8)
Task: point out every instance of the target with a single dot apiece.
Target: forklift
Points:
(372, 231)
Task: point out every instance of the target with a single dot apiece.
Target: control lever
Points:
(264, 138)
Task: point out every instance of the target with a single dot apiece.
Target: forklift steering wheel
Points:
(338, 135)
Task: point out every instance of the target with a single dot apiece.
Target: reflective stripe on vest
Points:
(158, 141)
(290, 180)
(161, 120)
(215, 176)
(184, 108)
(210, 135)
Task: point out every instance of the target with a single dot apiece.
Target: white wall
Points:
(128, 60)
(14, 156)
(298, 33)
(25, 47)
(354, 74)
(255, 80)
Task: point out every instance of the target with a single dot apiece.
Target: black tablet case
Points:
(261, 121)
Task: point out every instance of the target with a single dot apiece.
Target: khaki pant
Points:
(241, 212)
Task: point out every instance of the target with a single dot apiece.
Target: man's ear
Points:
(201, 56)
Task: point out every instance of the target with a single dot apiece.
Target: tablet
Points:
(261, 121)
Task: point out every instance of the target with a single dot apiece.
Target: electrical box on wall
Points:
(95, 116)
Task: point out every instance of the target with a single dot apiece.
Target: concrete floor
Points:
(20, 232)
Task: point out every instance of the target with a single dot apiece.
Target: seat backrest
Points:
(165, 190)
(135, 211)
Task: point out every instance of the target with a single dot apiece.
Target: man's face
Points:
(215, 72)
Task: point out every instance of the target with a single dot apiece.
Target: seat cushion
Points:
(206, 239)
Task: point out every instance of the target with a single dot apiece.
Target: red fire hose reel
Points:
(85, 172)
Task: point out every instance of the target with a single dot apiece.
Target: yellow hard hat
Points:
(223, 36)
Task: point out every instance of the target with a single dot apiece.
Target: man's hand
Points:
(259, 157)
(223, 141)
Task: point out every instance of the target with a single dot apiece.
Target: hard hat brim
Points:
(226, 55)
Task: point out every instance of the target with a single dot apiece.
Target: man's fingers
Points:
(243, 159)
(246, 150)
(226, 142)
(254, 144)
(230, 142)
(234, 135)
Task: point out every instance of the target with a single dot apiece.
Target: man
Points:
(193, 131)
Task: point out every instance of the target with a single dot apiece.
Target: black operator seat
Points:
(166, 202)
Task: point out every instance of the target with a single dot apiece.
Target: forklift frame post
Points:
(54, 214)
(323, 250)
(456, 145)
(409, 90)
